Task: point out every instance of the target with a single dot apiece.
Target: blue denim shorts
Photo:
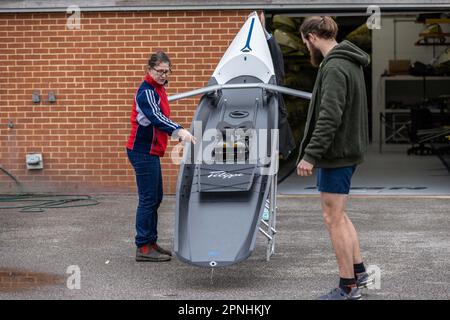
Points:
(335, 180)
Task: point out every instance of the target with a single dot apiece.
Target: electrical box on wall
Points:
(34, 161)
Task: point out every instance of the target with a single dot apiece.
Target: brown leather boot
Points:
(147, 253)
(161, 250)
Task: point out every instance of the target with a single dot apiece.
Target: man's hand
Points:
(262, 18)
(304, 168)
(186, 136)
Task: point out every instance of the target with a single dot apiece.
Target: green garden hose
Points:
(31, 202)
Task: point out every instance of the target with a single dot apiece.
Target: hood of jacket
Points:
(349, 51)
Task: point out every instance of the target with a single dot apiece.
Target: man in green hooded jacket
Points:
(335, 140)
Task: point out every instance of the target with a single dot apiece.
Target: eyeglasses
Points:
(161, 72)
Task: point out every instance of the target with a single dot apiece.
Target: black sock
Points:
(347, 284)
(359, 268)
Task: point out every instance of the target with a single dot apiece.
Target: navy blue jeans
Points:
(150, 191)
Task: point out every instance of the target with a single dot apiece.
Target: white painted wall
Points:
(407, 32)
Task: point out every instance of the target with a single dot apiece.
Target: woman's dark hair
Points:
(157, 58)
(323, 27)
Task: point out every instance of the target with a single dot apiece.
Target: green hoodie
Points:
(336, 130)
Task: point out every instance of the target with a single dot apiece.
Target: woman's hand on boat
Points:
(186, 136)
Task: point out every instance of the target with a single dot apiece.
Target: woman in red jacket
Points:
(151, 126)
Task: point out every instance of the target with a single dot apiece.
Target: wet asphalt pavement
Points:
(406, 238)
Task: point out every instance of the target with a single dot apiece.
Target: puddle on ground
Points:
(15, 280)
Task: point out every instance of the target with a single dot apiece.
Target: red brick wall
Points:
(94, 72)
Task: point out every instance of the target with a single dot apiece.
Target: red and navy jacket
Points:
(150, 123)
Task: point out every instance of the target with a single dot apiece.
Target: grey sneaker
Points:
(151, 256)
(162, 250)
(364, 280)
(339, 294)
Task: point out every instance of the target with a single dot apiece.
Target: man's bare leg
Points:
(357, 258)
(342, 238)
